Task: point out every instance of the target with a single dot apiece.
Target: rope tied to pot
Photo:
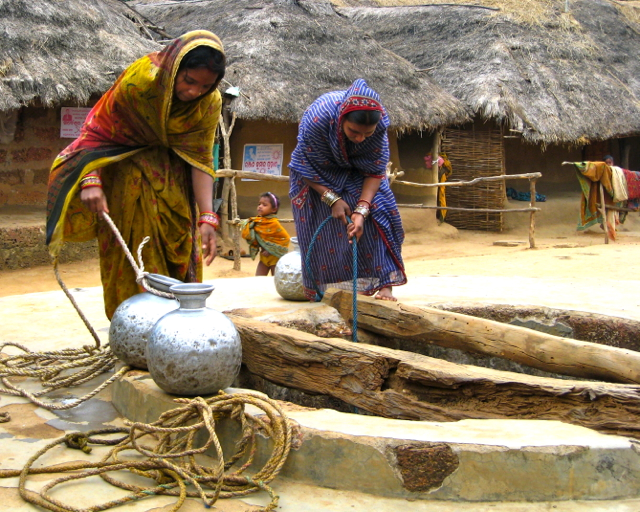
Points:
(170, 458)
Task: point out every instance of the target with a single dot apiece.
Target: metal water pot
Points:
(133, 320)
(288, 274)
(194, 350)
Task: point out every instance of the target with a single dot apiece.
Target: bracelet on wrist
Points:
(329, 197)
(210, 218)
(364, 201)
(90, 181)
(362, 210)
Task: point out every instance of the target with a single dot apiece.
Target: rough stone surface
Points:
(425, 466)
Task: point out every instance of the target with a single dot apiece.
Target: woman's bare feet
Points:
(385, 294)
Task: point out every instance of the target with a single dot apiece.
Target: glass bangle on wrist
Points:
(90, 181)
(364, 201)
(329, 197)
(210, 218)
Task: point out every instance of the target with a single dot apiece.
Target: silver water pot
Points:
(133, 320)
(288, 274)
(194, 350)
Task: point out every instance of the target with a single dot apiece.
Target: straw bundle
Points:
(475, 153)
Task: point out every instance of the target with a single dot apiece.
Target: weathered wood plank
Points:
(398, 384)
(554, 354)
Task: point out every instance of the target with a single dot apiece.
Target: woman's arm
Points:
(370, 187)
(91, 193)
(203, 192)
(339, 210)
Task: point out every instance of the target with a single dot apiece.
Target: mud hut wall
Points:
(263, 132)
(25, 161)
(412, 147)
(523, 157)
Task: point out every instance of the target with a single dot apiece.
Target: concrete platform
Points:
(346, 462)
(469, 460)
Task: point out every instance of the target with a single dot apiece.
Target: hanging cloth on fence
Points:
(590, 176)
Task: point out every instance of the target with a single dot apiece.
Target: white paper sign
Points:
(263, 158)
(71, 120)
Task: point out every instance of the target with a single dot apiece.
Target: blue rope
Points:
(319, 294)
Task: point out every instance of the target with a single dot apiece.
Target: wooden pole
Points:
(603, 212)
(536, 349)
(532, 215)
(435, 154)
(226, 137)
(236, 226)
(224, 208)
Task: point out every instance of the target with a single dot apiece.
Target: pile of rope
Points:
(58, 369)
(69, 367)
(169, 458)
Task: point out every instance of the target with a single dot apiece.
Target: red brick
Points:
(38, 154)
(41, 176)
(19, 155)
(32, 155)
(12, 177)
(49, 134)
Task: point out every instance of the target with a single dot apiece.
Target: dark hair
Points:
(606, 157)
(364, 117)
(204, 57)
(274, 201)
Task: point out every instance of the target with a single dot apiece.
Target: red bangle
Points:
(90, 180)
(364, 201)
(210, 218)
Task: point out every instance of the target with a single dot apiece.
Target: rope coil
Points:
(170, 458)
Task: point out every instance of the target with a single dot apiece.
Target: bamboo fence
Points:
(473, 154)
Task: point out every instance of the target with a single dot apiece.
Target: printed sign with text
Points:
(263, 158)
(71, 121)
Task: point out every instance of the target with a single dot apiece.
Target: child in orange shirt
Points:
(266, 235)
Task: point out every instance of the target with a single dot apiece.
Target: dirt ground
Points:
(432, 248)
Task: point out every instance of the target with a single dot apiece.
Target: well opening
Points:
(418, 376)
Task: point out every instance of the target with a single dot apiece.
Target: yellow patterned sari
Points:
(145, 141)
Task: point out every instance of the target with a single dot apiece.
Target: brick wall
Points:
(25, 162)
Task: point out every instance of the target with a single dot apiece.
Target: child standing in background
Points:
(266, 235)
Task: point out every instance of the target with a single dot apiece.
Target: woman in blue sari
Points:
(338, 168)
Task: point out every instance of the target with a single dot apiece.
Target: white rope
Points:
(141, 275)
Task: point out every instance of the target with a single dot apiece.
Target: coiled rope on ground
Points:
(170, 458)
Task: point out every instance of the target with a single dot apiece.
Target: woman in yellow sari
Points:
(145, 157)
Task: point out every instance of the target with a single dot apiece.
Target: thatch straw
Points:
(284, 54)
(56, 51)
(531, 12)
(552, 84)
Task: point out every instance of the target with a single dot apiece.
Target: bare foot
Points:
(385, 294)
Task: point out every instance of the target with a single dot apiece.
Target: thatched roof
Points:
(567, 78)
(64, 50)
(283, 54)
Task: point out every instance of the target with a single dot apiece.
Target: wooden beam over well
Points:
(554, 354)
